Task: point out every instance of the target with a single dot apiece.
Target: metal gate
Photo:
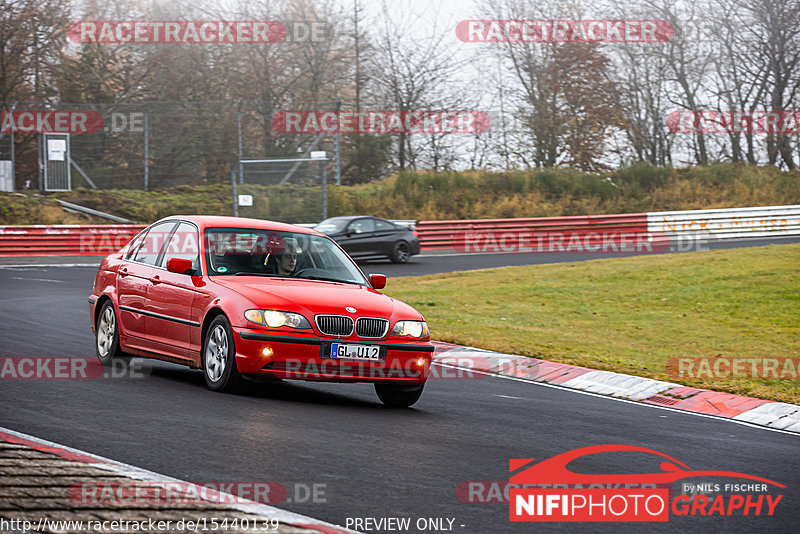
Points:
(55, 162)
(6, 175)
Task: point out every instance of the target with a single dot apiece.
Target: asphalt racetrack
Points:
(365, 460)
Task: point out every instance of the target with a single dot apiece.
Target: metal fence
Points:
(154, 145)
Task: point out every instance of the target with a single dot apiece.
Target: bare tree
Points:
(687, 59)
(298, 73)
(741, 71)
(32, 38)
(529, 63)
(641, 76)
(778, 23)
(587, 104)
(411, 71)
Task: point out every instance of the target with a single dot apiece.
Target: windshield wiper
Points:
(326, 279)
(253, 273)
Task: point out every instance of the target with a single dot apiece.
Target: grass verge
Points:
(629, 315)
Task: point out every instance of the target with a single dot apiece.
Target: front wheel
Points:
(400, 252)
(219, 357)
(398, 396)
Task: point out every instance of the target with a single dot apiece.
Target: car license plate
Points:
(346, 351)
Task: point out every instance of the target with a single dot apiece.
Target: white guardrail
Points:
(727, 223)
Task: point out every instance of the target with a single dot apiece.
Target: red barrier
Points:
(65, 240)
(487, 234)
(622, 233)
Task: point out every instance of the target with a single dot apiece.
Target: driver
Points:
(284, 262)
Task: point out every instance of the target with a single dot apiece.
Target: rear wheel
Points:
(107, 337)
(400, 252)
(398, 396)
(219, 357)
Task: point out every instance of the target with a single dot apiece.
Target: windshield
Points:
(331, 226)
(248, 251)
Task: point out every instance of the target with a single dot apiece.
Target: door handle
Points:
(155, 280)
(123, 272)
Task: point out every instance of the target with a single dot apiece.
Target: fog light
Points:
(421, 362)
(267, 351)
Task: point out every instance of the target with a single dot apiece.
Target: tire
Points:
(398, 396)
(400, 252)
(219, 357)
(106, 337)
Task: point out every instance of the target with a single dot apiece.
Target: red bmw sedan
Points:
(251, 299)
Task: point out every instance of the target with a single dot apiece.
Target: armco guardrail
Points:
(65, 240)
(525, 235)
(650, 232)
(631, 232)
(727, 223)
(90, 211)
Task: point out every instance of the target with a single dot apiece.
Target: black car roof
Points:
(351, 217)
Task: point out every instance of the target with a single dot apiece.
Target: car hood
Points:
(313, 297)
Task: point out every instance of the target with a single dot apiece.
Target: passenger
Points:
(283, 262)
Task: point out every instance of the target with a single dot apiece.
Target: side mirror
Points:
(179, 265)
(378, 281)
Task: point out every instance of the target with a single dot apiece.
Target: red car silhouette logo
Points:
(554, 470)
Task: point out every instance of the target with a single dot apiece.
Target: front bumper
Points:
(307, 357)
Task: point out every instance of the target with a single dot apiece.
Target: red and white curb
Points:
(778, 416)
(136, 473)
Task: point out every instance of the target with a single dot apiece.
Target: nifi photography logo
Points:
(549, 491)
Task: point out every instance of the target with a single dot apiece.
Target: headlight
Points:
(410, 328)
(276, 319)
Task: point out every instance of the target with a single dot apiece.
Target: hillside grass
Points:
(446, 195)
(628, 315)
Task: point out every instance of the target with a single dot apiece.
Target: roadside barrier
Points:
(653, 231)
(632, 232)
(525, 235)
(727, 223)
(65, 240)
